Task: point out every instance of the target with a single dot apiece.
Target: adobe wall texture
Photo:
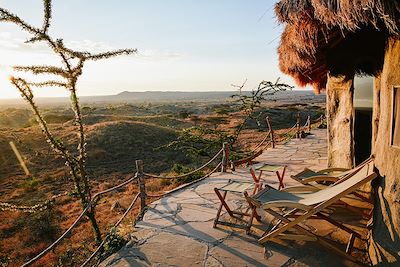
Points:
(340, 121)
(384, 247)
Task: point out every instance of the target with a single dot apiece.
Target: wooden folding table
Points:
(233, 186)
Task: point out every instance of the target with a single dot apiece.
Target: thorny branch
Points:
(72, 68)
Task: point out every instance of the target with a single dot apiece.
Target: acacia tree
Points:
(250, 103)
(66, 76)
(199, 141)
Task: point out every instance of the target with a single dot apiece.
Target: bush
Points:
(77, 253)
(180, 169)
(114, 242)
(29, 183)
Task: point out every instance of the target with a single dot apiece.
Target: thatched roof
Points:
(325, 35)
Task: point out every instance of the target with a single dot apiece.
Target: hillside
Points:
(117, 135)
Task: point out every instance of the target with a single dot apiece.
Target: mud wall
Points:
(384, 247)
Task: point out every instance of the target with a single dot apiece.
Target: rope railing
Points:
(140, 176)
(307, 122)
(320, 120)
(257, 146)
(89, 205)
(289, 130)
(4, 206)
(115, 225)
(257, 152)
(186, 174)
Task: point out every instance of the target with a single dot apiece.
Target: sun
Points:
(6, 89)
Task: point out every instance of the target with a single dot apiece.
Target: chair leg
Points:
(280, 178)
(252, 215)
(350, 244)
(302, 230)
(222, 200)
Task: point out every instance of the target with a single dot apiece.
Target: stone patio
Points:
(177, 230)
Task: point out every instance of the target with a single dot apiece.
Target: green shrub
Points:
(113, 242)
(29, 183)
(180, 169)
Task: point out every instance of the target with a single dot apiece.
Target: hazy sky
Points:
(186, 45)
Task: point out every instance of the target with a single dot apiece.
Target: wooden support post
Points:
(309, 123)
(298, 130)
(141, 183)
(225, 157)
(271, 131)
(340, 121)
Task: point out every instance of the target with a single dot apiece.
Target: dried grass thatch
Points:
(320, 33)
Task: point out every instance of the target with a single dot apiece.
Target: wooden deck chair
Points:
(292, 210)
(329, 176)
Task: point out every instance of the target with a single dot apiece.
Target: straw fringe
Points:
(313, 26)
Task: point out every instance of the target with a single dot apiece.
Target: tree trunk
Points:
(340, 121)
(96, 229)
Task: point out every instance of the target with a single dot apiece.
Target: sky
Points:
(183, 45)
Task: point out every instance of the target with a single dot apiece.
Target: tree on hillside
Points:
(200, 141)
(66, 76)
(250, 103)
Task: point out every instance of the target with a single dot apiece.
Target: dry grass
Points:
(113, 147)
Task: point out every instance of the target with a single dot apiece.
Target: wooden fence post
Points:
(141, 183)
(271, 131)
(298, 132)
(225, 157)
(309, 123)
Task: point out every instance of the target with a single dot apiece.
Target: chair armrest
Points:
(329, 170)
(320, 178)
(301, 189)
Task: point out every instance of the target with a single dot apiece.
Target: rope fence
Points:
(140, 176)
(189, 173)
(77, 220)
(4, 206)
(115, 226)
(186, 184)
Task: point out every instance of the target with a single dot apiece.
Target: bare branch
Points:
(110, 54)
(72, 53)
(48, 84)
(240, 86)
(47, 15)
(43, 70)
(26, 92)
(7, 16)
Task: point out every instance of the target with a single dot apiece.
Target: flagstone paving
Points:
(177, 230)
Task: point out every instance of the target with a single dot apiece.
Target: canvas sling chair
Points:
(293, 210)
(328, 176)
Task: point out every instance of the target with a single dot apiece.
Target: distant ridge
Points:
(171, 96)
